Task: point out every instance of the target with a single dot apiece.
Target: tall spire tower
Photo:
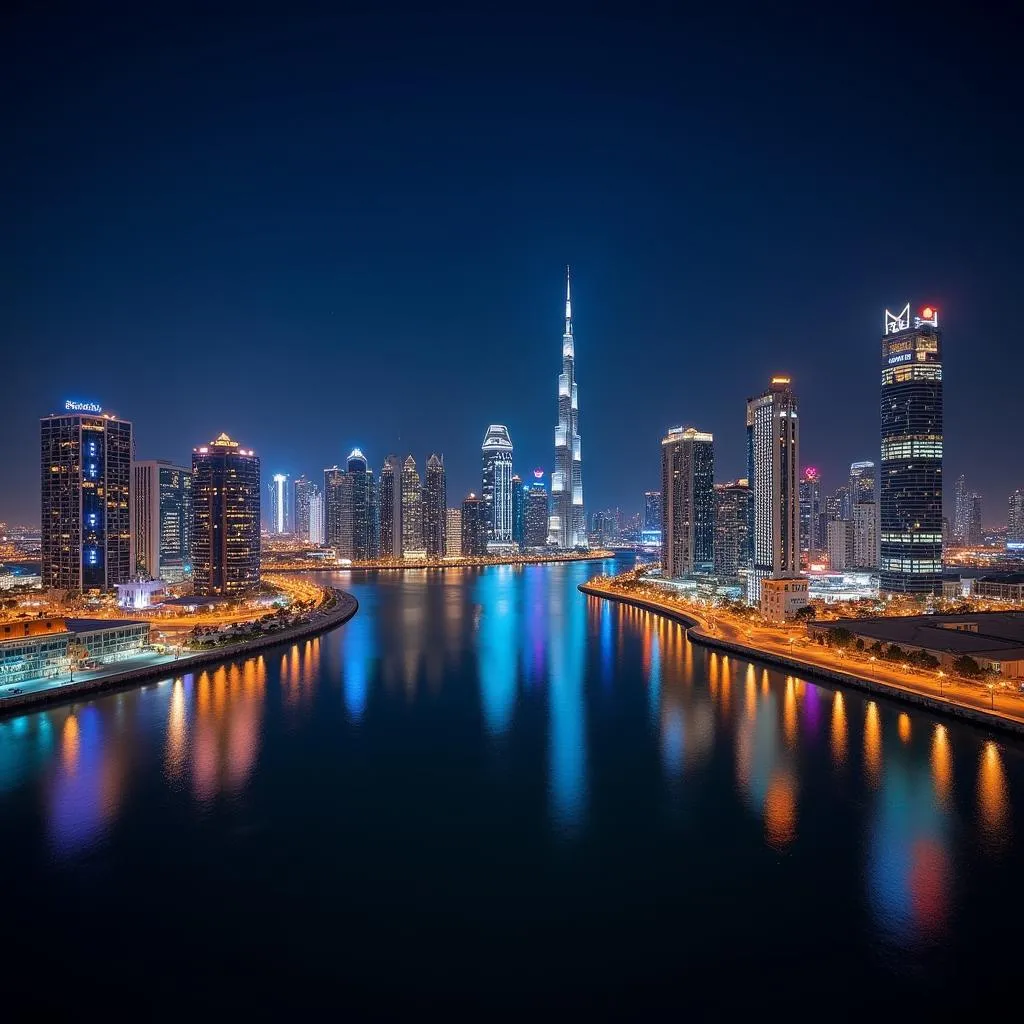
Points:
(567, 525)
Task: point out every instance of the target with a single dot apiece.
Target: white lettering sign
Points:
(70, 406)
(897, 322)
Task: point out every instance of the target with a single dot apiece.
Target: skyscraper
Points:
(86, 463)
(865, 521)
(356, 531)
(374, 492)
(732, 540)
(688, 502)
(1015, 522)
(335, 485)
(474, 526)
(652, 510)
(960, 513)
(535, 513)
(974, 527)
(773, 469)
(412, 511)
(225, 519)
(453, 532)
(162, 498)
(911, 477)
(317, 526)
(390, 509)
(279, 504)
(811, 541)
(568, 523)
(518, 525)
(435, 518)
(496, 454)
(301, 490)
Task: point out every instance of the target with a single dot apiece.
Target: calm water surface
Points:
(488, 788)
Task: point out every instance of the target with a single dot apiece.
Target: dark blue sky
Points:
(320, 231)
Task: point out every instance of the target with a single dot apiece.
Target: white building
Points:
(453, 534)
(839, 544)
(316, 518)
(865, 535)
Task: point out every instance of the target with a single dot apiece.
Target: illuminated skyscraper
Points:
(652, 510)
(335, 485)
(811, 519)
(412, 510)
(773, 471)
(435, 524)
(960, 510)
(86, 510)
(568, 523)
(453, 532)
(474, 526)
(301, 490)
(317, 528)
(225, 519)
(911, 477)
(864, 515)
(390, 509)
(518, 524)
(688, 502)
(163, 520)
(280, 518)
(497, 486)
(732, 540)
(356, 532)
(535, 514)
(1015, 522)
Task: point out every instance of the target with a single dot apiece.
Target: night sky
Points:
(323, 232)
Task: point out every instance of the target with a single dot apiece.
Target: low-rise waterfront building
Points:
(782, 598)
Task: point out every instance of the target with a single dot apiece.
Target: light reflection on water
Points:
(541, 668)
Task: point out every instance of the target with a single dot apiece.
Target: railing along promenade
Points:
(703, 628)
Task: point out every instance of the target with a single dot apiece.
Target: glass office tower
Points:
(163, 520)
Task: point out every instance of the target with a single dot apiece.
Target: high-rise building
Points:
(435, 513)
(225, 519)
(86, 531)
(412, 511)
(652, 510)
(811, 518)
(567, 527)
(475, 520)
(1015, 522)
(356, 531)
(688, 502)
(279, 505)
(453, 532)
(975, 531)
(336, 483)
(390, 509)
(301, 490)
(911, 468)
(773, 469)
(865, 524)
(496, 453)
(163, 520)
(837, 504)
(518, 523)
(374, 492)
(317, 524)
(840, 544)
(864, 541)
(535, 513)
(732, 537)
(960, 511)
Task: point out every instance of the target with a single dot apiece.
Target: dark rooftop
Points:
(91, 625)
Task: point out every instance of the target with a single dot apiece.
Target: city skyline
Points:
(799, 237)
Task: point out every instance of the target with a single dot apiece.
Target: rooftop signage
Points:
(72, 406)
(895, 322)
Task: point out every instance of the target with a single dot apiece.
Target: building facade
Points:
(732, 533)
(496, 457)
(688, 502)
(652, 510)
(335, 485)
(162, 500)
(356, 541)
(225, 519)
(865, 522)
(317, 523)
(301, 490)
(839, 539)
(811, 517)
(390, 509)
(910, 495)
(279, 505)
(453, 532)
(773, 470)
(567, 526)
(86, 513)
(435, 512)
(1015, 522)
(535, 512)
(412, 511)
(474, 526)
(518, 506)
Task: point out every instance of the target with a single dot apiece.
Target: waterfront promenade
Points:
(982, 705)
(152, 666)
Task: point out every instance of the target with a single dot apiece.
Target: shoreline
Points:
(454, 563)
(346, 607)
(948, 707)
